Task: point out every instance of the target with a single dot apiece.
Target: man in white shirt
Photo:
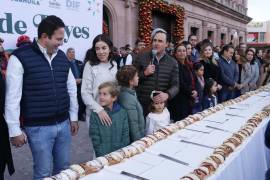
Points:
(41, 90)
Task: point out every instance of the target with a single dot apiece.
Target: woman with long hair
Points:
(189, 49)
(181, 105)
(244, 70)
(265, 69)
(211, 67)
(255, 72)
(99, 68)
(259, 56)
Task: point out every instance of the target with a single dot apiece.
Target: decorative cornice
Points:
(219, 8)
(210, 20)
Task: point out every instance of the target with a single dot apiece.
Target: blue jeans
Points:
(49, 145)
(227, 95)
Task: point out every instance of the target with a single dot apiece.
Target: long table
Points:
(183, 151)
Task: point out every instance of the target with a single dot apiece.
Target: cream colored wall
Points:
(125, 19)
(267, 34)
(125, 22)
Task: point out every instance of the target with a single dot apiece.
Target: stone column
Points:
(218, 34)
(239, 35)
(128, 25)
(245, 37)
(229, 35)
(200, 33)
(204, 30)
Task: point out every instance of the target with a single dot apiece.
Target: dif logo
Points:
(72, 4)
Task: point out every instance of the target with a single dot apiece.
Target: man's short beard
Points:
(52, 50)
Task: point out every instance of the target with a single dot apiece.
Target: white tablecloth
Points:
(249, 161)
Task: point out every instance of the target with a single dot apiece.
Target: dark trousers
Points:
(6, 161)
(237, 93)
(226, 95)
(145, 107)
(82, 106)
(2, 170)
(267, 175)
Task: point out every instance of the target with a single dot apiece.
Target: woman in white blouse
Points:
(99, 68)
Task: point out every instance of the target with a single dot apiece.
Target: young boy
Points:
(105, 138)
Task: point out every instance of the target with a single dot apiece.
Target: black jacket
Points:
(5, 151)
(181, 105)
(211, 71)
(267, 135)
(164, 79)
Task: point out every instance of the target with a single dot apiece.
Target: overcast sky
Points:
(259, 10)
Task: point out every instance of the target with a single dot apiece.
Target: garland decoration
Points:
(146, 8)
(105, 28)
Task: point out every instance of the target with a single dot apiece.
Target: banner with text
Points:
(83, 20)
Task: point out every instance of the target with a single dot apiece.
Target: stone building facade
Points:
(218, 20)
(258, 33)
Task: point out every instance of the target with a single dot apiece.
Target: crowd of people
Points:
(122, 96)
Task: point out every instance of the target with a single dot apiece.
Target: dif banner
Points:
(83, 20)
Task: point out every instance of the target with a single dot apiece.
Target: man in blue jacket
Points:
(41, 91)
(195, 55)
(77, 70)
(229, 73)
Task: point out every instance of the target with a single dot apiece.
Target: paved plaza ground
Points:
(80, 152)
